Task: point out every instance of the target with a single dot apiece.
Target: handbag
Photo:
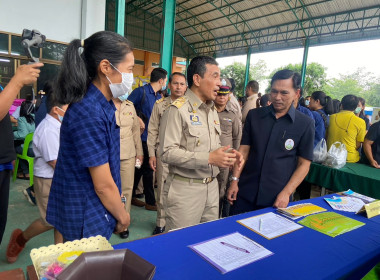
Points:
(336, 156)
(320, 151)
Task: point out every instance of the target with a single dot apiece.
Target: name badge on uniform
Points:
(195, 120)
(289, 144)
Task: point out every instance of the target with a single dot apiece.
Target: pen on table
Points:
(260, 224)
(234, 247)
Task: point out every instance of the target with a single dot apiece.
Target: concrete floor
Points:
(21, 213)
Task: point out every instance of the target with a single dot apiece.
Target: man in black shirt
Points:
(277, 145)
(371, 145)
(25, 75)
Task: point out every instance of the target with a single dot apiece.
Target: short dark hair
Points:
(52, 102)
(362, 101)
(242, 99)
(287, 74)
(157, 74)
(264, 100)
(254, 86)
(51, 97)
(350, 102)
(198, 66)
(176, 73)
(81, 60)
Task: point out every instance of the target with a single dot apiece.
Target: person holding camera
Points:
(25, 75)
(85, 196)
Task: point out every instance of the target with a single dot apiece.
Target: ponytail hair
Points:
(81, 60)
(26, 111)
(325, 101)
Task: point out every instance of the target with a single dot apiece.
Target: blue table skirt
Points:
(302, 254)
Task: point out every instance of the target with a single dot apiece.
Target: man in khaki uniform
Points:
(230, 125)
(177, 86)
(190, 144)
(252, 93)
(233, 103)
(130, 149)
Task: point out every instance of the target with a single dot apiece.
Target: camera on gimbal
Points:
(32, 38)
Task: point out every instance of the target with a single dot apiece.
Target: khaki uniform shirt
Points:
(230, 125)
(130, 140)
(190, 131)
(234, 105)
(154, 124)
(249, 105)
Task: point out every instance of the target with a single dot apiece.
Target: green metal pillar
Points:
(120, 17)
(304, 62)
(167, 37)
(247, 65)
(187, 65)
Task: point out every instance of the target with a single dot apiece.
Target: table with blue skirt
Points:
(302, 254)
(358, 177)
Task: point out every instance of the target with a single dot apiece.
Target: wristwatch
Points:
(232, 178)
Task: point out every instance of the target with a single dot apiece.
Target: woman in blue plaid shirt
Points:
(85, 196)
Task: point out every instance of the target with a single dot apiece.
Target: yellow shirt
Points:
(348, 129)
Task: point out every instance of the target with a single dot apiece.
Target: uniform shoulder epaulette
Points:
(179, 102)
(159, 100)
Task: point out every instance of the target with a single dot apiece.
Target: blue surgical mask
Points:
(163, 87)
(123, 97)
(59, 116)
(307, 102)
(357, 110)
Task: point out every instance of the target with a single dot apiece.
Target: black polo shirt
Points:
(275, 145)
(373, 134)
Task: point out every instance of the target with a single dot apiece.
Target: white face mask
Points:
(123, 89)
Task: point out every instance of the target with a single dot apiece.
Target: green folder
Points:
(330, 223)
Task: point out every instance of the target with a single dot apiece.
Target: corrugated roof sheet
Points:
(231, 27)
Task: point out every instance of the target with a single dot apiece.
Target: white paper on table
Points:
(272, 225)
(229, 252)
(364, 198)
(345, 203)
